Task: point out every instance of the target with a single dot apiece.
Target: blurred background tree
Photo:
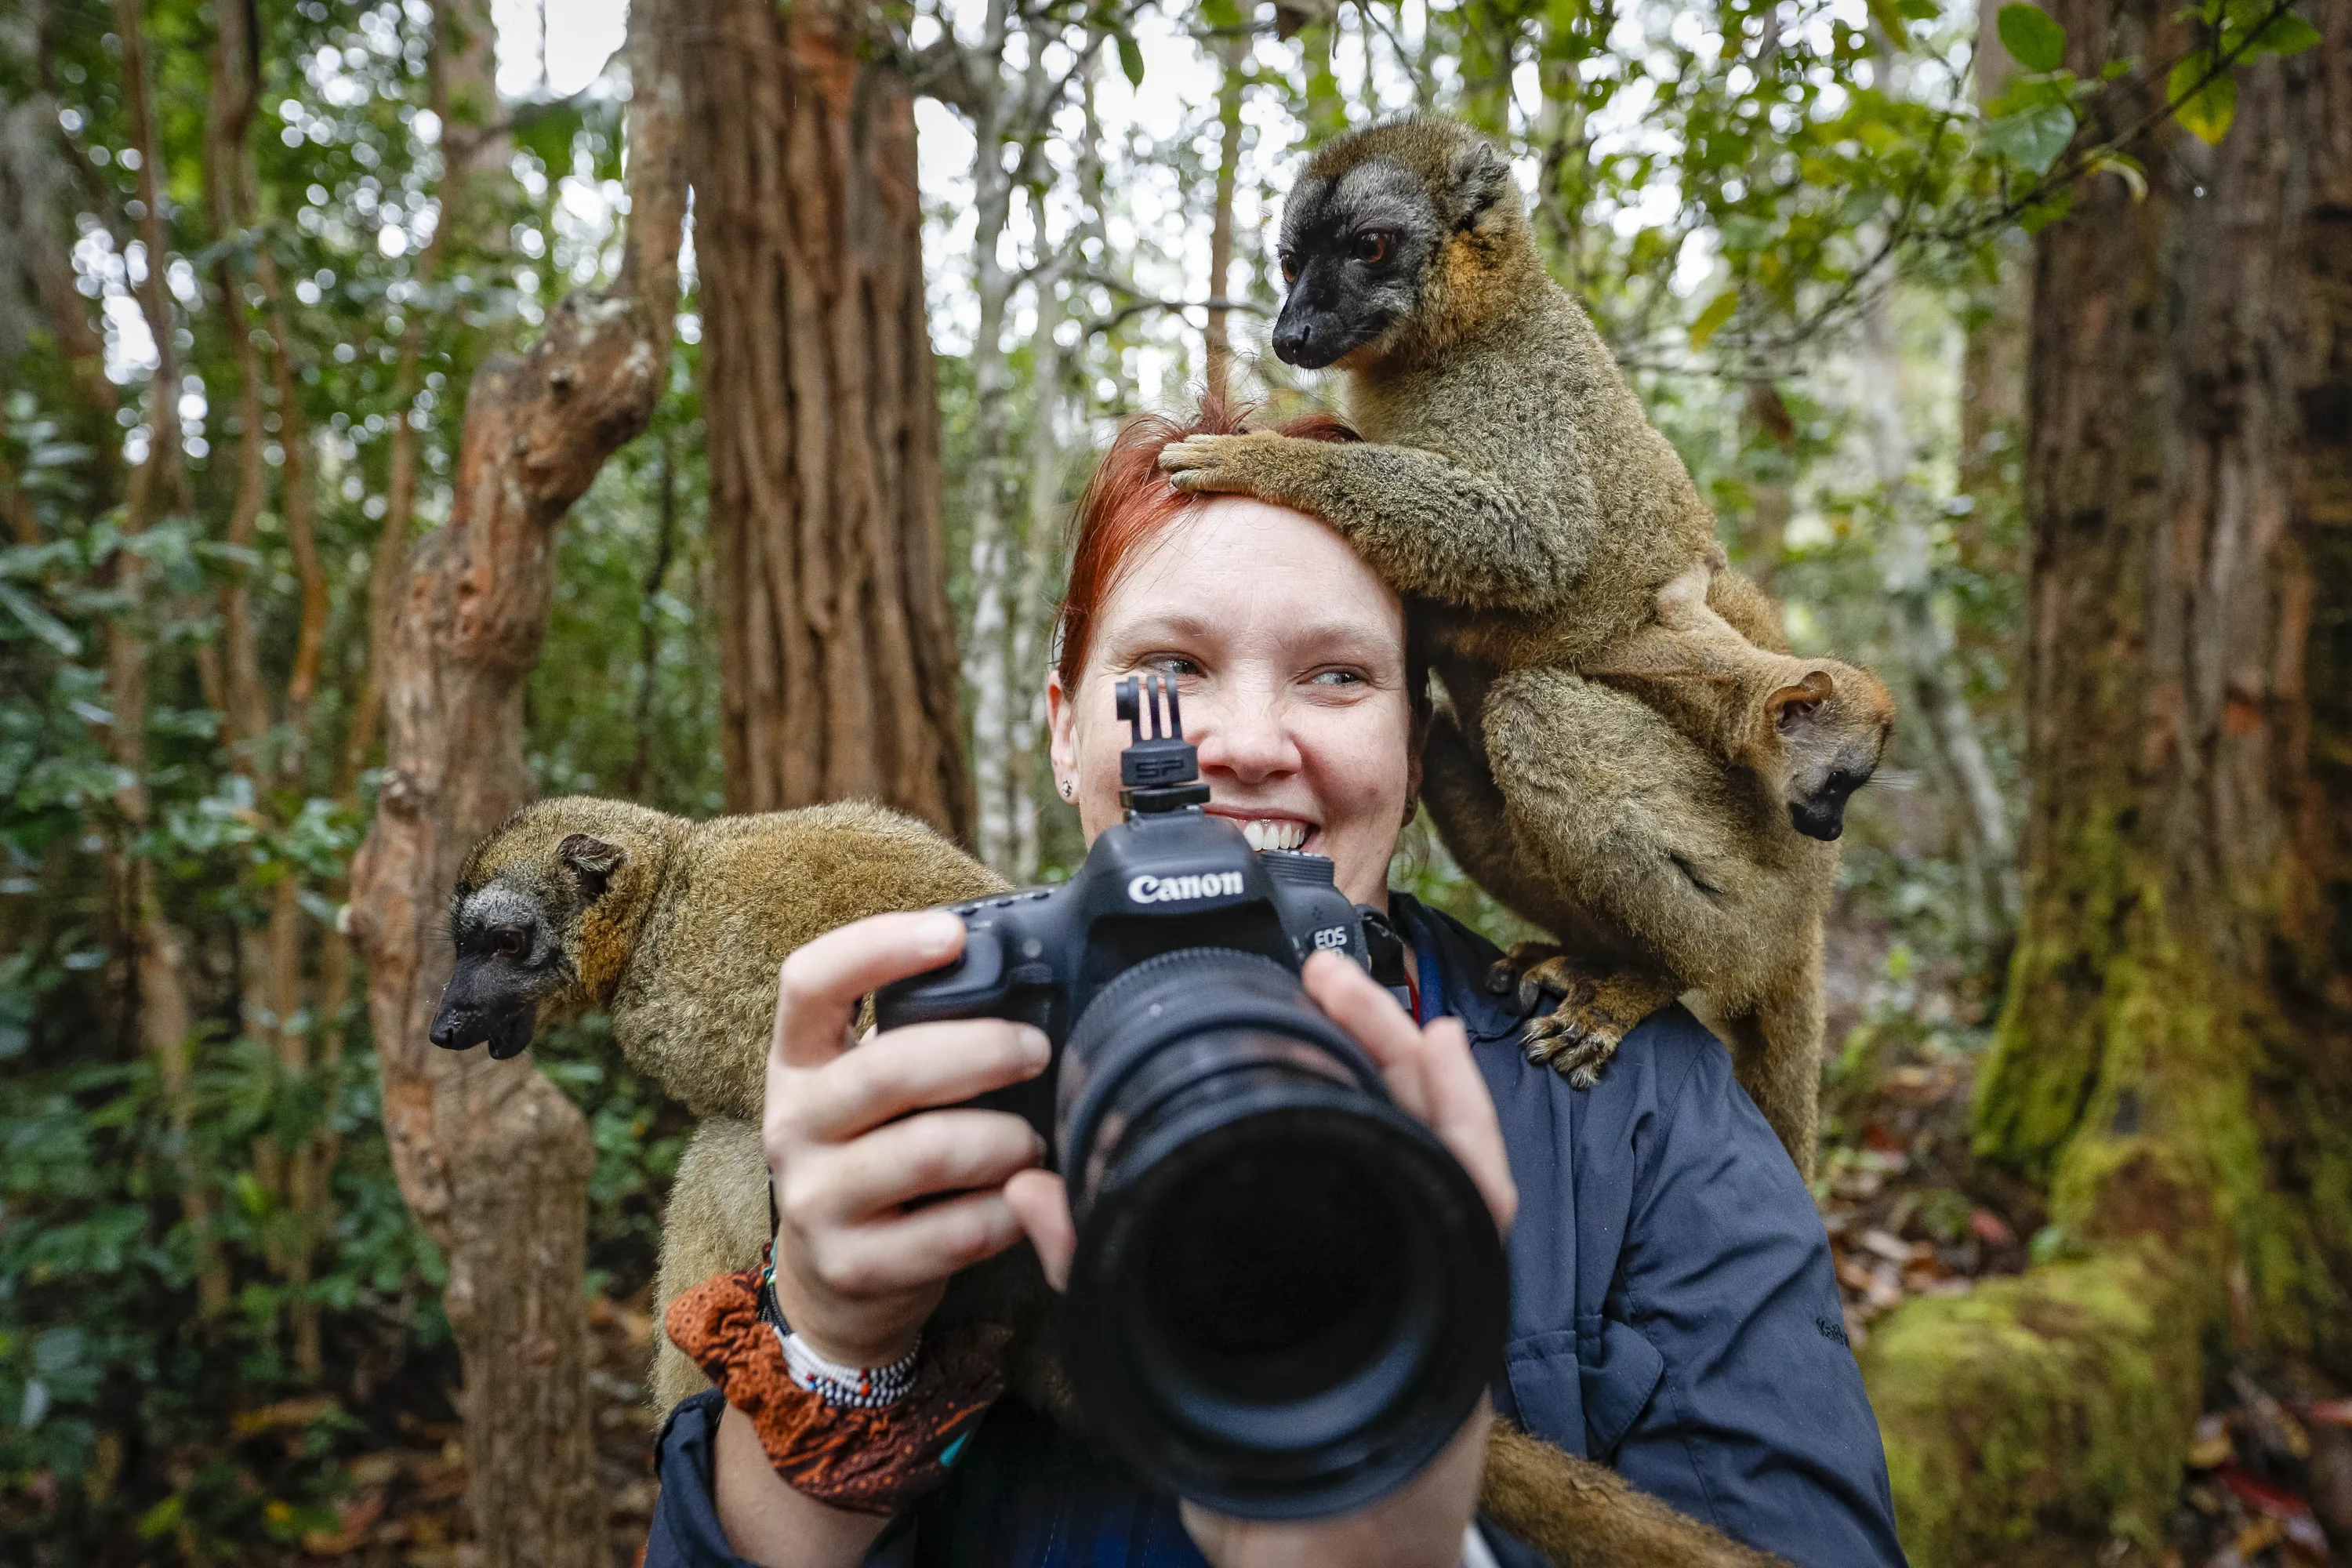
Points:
(256, 252)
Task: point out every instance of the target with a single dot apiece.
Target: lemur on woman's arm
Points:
(677, 930)
(1509, 476)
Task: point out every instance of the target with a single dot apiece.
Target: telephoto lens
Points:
(1287, 1294)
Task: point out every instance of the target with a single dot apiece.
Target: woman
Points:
(1673, 1311)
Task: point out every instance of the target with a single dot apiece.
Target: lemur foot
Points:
(1597, 1008)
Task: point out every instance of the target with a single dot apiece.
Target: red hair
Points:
(1128, 502)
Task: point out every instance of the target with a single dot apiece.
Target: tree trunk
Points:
(490, 1155)
(837, 649)
(2175, 1060)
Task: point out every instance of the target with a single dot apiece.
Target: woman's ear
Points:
(1062, 725)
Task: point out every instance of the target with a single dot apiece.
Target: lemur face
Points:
(1833, 734)
(509, 957)
(510, 932)
(1355, 251)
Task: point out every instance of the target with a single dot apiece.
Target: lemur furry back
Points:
(677, 930)
(1510, 484)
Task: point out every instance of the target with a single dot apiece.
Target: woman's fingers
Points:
(909, 1069)
(819, 986)
(913, 1251)
(1362, 1005)
(1040, 1201)
(939, 1152)
(1429, 1071)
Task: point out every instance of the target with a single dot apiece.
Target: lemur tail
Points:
(1583, 1515)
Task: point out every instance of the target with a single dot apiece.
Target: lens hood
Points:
(1287, 1294)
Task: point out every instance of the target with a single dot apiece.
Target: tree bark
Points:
(2175, 1060)
(838, 664)
(490, 1155)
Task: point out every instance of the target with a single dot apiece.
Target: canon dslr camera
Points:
(1287, 1294)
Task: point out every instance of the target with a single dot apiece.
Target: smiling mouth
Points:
(1273, 832)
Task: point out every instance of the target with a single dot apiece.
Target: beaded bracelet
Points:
(852, 1387)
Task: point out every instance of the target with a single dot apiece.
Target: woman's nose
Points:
(1247, 739)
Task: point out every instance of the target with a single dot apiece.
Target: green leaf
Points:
(1890, 22)
(2034, 219)
(39, 622)
(2205, 111)
(1710, 320)
(2032, 36)
(2032, 137)
(1130, 59)
(2288, 33)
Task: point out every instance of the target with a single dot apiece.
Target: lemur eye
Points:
(509, 942)
(1289, 259)
(1373, 245)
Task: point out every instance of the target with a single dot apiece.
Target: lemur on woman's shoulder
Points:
(1632, 759)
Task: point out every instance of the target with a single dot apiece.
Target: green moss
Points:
(2040, 1418)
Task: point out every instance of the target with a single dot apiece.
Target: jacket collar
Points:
(1464, 957)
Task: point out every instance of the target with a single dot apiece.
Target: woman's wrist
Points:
(845, 1333)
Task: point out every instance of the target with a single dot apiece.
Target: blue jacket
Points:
(1674, 1314)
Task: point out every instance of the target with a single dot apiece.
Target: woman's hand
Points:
(1430, 1073)
(856, 1273)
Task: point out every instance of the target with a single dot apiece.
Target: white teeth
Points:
(1266, 833)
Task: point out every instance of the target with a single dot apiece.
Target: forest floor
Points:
(407, 1502)
(1909, 1214)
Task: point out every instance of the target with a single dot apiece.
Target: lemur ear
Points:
(591, 861)
(1792, 705)
(1477, 182)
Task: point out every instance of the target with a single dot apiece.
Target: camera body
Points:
(1169, 878)
(1286, 1295)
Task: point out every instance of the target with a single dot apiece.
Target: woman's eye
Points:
(1338, 677)
(1373, 245)
(1174, 664)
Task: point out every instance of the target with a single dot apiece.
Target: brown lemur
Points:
(1510, 483)
(676, 928)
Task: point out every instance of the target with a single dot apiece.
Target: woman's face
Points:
(1288, 657)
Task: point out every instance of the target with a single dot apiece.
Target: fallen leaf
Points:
(285, 1413)
(2261, 1495)
(1892, 1248)
(2260, 1536)
(2335, 1412)
(2211, 1447)
(354, 1516)
(1991, 1229)
(2305, 1539)
(372, 1470)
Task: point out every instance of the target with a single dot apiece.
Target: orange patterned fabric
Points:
(869, 1461)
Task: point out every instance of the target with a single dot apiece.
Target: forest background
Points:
(2012, 345)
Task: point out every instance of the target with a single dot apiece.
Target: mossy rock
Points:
(2040, 1418)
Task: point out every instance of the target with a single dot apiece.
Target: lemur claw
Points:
(1595, 1012)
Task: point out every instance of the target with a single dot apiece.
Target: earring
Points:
(1069, 789)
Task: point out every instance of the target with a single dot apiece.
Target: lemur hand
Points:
(1246, 463)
